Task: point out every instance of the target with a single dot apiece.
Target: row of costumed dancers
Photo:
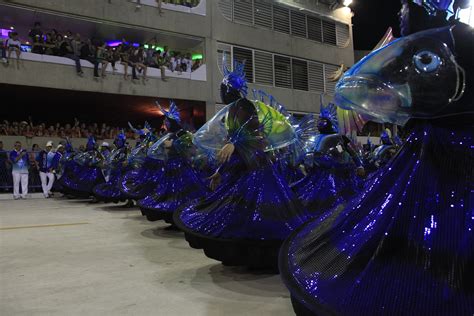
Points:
(388, 232)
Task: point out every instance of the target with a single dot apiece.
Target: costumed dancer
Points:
(381, 154)
(116, 164)
(65, 162)
(245, 220)
(80, 179)
(180, 183)
(145, 172)
(333, 166)
(405, 245)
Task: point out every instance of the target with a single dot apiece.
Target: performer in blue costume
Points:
(245, 220)
(145, 172)
(381, 154)
(180, 183)
(405, 245)
(115, 166)
(331, 165)
(85, 172)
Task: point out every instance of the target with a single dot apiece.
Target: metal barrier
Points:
(6, 179)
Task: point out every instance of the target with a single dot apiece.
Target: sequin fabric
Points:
(405, 245)
(139, 182)
(324, 188)
(83, 173)
(179, 185)
(255, 204)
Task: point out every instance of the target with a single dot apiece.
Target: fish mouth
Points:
(369, 95)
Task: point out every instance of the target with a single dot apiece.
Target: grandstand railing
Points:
(198, 74)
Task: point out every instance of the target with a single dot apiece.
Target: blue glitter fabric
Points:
(254, 205)
(179, 185)
(110, 191)
(291, 173)
(139, 182)
(405, 245)
(83, 174)
(324, 188)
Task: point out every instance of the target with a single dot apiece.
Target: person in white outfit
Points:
(20, 162)
(48, 161)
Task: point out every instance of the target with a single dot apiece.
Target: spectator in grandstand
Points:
(14, 45)
(102, 58)
(186, 63)
(133, 61)
(112, 56)
(70, 48)
(58, 40)
(140, 61)
(124, 52)
(19, 160)
(49, 44)
(160, 62)
(88, 52)
(37, 40)
(196, 64)
(47, 161)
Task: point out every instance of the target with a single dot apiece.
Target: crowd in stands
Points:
(76, 130)
(137, 57)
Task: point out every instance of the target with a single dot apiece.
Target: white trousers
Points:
(17, 179)
(47, 181)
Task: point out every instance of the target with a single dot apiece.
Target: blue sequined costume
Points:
(246, 219)
(144, 173)
(331, 163)
(115, 166)
(84, 172)
(179, 183)
(405, 245)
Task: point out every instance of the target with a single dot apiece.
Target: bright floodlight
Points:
(347, 2)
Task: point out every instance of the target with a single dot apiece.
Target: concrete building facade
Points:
(291, 47)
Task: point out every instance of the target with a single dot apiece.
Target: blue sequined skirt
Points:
(403, 246)
(110, 191)
(80, 180)
(245, 220)
(138, 183)
(323, 189)
(179, 185)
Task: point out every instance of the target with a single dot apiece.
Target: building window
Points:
(329, 33)
(263, 68)
(282, 71)
(244, 55)
(279, 71)
(263, 13)
(281, 19)
(300, 74)
(298, 24)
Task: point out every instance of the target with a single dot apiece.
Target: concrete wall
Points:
(27, 143)
(59, 76)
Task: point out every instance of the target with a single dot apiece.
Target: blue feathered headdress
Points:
(235, 79)
(120, 139)
(329, 112)
(173, 112)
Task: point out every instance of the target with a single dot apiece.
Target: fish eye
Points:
(426, 61)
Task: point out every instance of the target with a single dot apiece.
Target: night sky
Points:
(371, 20)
